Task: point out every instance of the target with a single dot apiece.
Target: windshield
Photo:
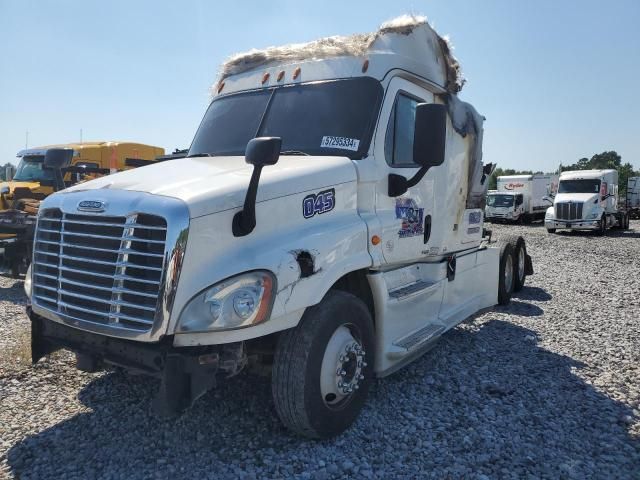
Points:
(30, 169)
(497, 200)
(579, 186)
(321, 118)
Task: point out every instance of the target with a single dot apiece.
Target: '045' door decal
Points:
(318, 203)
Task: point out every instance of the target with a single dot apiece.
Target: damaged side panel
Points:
(333, 243)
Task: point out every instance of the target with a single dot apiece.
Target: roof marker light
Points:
(296, 73)
(220, 87)
(280, 75)
(265, 77)
(365, 66)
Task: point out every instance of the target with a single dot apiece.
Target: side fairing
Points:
(308, 252)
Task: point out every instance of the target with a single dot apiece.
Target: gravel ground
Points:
(547, 387)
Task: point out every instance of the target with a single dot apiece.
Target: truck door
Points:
(405, 220)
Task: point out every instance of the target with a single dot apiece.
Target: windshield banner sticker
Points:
(342, 143)
(412, 217)
(318, 203)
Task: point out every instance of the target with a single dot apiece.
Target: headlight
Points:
(239, 301)
(27, 282)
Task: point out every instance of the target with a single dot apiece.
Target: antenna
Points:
(26, 140)
(80, 135)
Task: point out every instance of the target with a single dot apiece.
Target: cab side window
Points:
(398, 145)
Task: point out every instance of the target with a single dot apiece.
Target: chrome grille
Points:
(569, 211)
(100, 269)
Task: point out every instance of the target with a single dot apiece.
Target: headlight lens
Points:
(27, 282)
(239, 301)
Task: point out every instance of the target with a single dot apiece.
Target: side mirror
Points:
(57, 158)
(429, 144)
(260, 151)
(430, 134)
(263, 151)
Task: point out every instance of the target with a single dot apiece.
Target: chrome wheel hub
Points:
(521, 264)
(342, 367)
(508, 273)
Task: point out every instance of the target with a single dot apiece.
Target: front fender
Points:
(307, 257)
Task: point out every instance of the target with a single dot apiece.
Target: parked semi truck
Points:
(327, 224)
(587, 200)
(520, 198)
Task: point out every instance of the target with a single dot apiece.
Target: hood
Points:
(575, 197)
(213, 184)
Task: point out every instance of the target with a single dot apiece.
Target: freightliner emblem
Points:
(92, 206)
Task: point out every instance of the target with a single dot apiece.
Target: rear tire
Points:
(313, 397)
(506, 274)
(519, 257)
(551, 230)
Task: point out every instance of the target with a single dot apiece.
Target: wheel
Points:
(506, 276)
(627, 222)
(520, 258)
(603, 226)
(323, 367)
(551, 230)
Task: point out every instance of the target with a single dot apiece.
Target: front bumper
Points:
(186, 373)
(572, 224)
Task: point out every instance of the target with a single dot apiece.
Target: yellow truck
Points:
(35, 179)
(90, 159)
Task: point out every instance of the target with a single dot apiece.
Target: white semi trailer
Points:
(520, 198)
(587, 200)
(632, 197)
(327, 223)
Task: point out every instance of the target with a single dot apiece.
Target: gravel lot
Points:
(547, 387)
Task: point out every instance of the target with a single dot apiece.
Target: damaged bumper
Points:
(186, 373)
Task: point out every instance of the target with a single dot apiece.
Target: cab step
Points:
(415, 341)
(408, 291)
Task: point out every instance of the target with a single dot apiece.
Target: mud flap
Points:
(183, 382)
(528, 265)
(40, 347)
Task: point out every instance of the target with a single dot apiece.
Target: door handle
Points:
(427, 228)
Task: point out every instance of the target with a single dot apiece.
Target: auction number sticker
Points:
(342, 143)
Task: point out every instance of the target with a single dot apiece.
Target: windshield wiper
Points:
(294, 152)
(200, 155)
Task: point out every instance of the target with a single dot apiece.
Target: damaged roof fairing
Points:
(409, 37)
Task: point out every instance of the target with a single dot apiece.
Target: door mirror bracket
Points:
(260, 152)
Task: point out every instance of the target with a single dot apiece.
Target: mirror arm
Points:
(245, 220)
(399, 184)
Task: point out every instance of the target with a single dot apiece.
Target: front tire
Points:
(551, 230)
(602, 227)
(323, 368)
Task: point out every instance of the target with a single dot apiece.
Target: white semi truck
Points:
(327, 224)
(587, 200)
(520, 198)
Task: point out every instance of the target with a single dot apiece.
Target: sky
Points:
(556, 80)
